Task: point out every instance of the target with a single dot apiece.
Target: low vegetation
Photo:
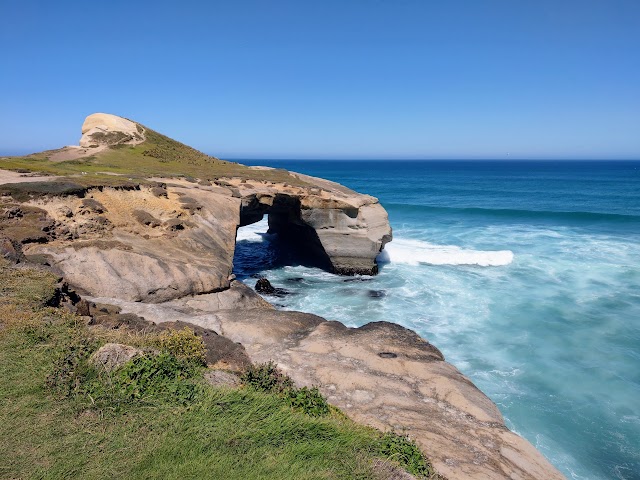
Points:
(156, 417)
(158, 155)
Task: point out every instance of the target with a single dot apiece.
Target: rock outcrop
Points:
(383, 375)
(343, 230)
(105, 129)
(112, 356)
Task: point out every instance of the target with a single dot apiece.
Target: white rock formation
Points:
(106, 129)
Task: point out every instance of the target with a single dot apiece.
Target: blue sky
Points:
(330, 79)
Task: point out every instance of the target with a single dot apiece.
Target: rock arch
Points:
(343, 231)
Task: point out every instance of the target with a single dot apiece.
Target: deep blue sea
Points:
(526, 274)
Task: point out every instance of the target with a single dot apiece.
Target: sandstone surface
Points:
(106, 129)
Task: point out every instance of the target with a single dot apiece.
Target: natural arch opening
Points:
(280, 239)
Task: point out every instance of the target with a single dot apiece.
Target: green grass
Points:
(155, 418)
(158, 155)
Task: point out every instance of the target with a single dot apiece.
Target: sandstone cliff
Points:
(160, 246)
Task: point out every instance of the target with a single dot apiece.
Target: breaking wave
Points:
(415, 252)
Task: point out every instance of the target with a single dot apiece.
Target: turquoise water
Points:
(525, 274)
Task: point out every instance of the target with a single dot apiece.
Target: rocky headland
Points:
(142, 229)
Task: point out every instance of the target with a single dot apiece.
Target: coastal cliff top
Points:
(112, 148)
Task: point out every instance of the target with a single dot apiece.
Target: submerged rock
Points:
(376, 293)
(264, 286)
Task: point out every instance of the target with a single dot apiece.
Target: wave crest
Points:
(415, 252)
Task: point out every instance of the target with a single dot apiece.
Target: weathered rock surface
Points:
(387, 376)
(103, 249)
(106, 129)
(112, 356)
(344, 230)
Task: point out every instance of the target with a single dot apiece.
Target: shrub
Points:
(158, 375)
(268, 378)
(71, 371)
(309, 400)
(404, 451)
(183, 344)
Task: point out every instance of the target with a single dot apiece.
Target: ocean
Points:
(525, 274)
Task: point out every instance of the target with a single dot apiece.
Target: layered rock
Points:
(106, 129)
(344, 230)
(150, 244)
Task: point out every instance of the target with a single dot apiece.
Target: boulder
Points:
(220, 378)
(264, 286)
(112, 356)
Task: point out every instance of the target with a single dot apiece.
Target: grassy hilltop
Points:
(157, 155)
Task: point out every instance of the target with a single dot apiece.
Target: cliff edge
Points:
(136, 220)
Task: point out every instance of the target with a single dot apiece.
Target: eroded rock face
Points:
(104, 248)
(387, 376)
(105, 129)
(344, 230)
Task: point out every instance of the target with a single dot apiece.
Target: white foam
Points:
(254, 232)
(415, 252)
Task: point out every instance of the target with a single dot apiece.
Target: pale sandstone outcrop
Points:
(346, 229)
(383, 375)
(108, 252)
(106, 129)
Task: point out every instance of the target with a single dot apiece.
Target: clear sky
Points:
(330, 79)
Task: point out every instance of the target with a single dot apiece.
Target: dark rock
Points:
(103, 309)
(15, 212)
(64, 297)
(8, 250)
(281, 292)
(377, 293)
(175, 224)
(145, 218)
(387, 355)
(83, 308)
(115, 321)
(159, 191)
(220, 351)
(264, 286)
(39, 259)
(190, 204)
(93, 206)
(358, 279)
(295, 279)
